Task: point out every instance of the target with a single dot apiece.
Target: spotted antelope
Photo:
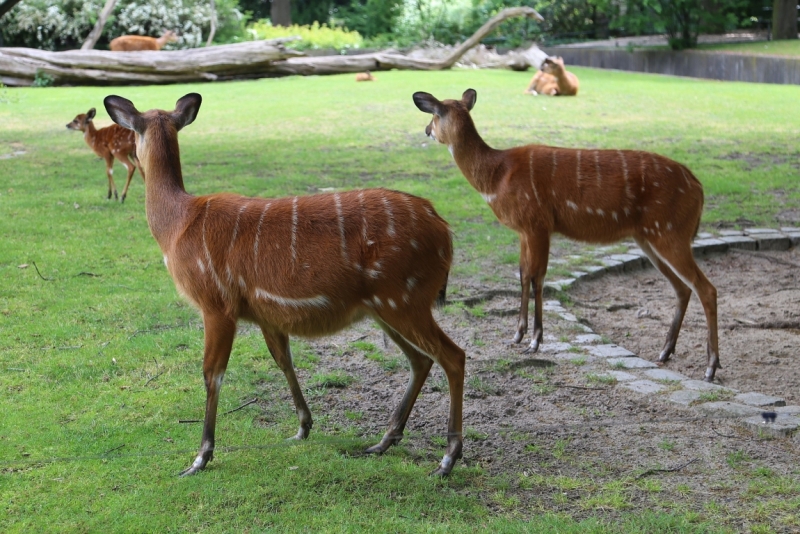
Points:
(109, 143)
(306, 266)
(597, 196)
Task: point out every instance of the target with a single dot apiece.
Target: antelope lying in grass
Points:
(553, 79)
(110, 142)
(306, 266)
(132, 43)
(365, 77)
(597, 196)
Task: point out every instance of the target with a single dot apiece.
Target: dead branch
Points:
(667, 470)
(765, 257)
(40, 274)
(769, 325)
(248, 403)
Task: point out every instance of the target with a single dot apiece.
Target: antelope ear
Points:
(186, 110)
(469, 98)
(124, 113)
(427, 103)
(90, 114)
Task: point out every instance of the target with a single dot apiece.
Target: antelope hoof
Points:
(302, 434)
(518, 336)
(710, 371)
(122, 200)
(384, 444)
(532, 348)
(664, 356)
(199, 463)
(447, 465)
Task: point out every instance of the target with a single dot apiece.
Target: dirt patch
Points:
(557, 436)
(753, 289)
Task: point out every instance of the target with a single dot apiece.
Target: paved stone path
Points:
(645, 377)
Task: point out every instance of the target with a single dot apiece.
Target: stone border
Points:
(646, 378)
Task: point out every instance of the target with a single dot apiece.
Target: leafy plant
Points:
(334, 379)
(313, 36)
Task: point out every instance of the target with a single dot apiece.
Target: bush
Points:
(314, 36)
(64, 24)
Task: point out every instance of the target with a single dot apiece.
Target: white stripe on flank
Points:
(320, 301)
(572, 205)
(294, 230)
(625, 174)
(338, 202)
(201, 265)
(209, 261)
(258, 232)
(389, 215)
(533, 182)
(488, 198)
(686, 178)
(236, 227)
(597, 167)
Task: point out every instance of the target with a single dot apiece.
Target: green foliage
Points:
(42, 79)
(371, 18)
(334, 379)
(65, 24)
(314, 36)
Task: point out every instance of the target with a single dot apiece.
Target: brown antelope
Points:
(109, 143)
(567, 82)
(598, 196)
(365, 77)
(306, 266)
(132, 43)
(542, 83)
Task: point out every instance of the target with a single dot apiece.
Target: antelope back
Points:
(310, 265)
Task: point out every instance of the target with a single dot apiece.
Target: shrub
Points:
(314, 36)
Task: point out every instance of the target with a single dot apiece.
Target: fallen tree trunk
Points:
(254, 59)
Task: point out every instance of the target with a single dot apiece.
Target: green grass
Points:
(100, 360)
(789, 47)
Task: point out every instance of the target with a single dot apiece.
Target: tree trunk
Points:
(6, 6)
(281, 13)
(213, 23)
(94, 36)
(784, 19)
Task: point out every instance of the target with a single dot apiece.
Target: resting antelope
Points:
(306, 266)
(553, 79)
(132, 43)
(110, 142)
(365, 77)
(598, 196)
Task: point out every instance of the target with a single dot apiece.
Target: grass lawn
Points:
(789, 47)
(101, 358)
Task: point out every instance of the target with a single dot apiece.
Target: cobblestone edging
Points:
(645, 377)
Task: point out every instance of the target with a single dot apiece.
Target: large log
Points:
(253, 59)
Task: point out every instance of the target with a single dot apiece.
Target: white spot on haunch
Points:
(669, 226)
(589, 211)
(656, 224)
(406, 298)
(392, 304)
(614, 215)
(410, 283)
(572, 205)
(241, 283)
(377, 301)
(166, 261)
(600, 212)
(578, 166)
(627, 211)
(414, 244)
(533, 182)
(320, 301)
(373, 273)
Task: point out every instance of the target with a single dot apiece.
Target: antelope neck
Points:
(166, 200)
(477, 161)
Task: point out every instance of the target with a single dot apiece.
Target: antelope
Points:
(365, 77)
(132, 43)
(567, 83)
(596, 196)
(109, 143)
(542, 83)
(306, 266)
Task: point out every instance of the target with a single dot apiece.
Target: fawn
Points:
(365, 77)
(110, 142)
(597, 196)
(305, 266)
(132, 43)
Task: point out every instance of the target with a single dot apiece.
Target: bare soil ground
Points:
(560, 439)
